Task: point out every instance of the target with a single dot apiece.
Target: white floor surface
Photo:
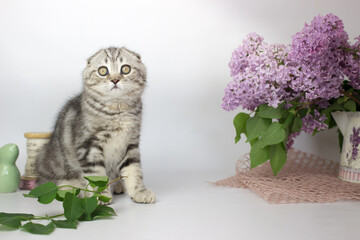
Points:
(188, 207)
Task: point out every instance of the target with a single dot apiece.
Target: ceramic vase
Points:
(349, 125)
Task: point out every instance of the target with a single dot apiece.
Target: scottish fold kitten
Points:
(97, 132)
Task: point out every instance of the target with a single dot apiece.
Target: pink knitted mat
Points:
(304, 178)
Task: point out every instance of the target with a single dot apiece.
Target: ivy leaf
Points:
(89, 205)
(73, 207)
(104, 199)
(97, 181)
(39, 228)
(28, 195)
(256, 126)
(103, 211)
(23, 216)
(273, 135)
(61, 193)
(13, 220)
(45, 193)
(350, 105)
(65, 223)
(277, 155)
(265, 111)
(258, 155)
(100, 189)
(240, 124)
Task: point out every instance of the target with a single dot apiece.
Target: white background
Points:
(186, 46)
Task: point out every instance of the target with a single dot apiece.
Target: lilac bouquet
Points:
(292, 88)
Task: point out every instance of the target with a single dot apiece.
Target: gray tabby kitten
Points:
(97, 132)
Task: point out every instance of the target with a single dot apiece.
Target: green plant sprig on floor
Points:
(75, 208)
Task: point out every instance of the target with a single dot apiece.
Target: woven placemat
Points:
(304, 178)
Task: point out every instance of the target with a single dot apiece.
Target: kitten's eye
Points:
(103, 71)
(125, 69)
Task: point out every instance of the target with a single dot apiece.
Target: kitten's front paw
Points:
(118, 188)
(144, 196)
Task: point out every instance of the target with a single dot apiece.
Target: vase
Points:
(349, 125)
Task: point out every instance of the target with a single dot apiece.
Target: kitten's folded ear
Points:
(133, 53)
(137, 56)
(90, 58)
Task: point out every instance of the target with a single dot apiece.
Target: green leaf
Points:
(334, 107)
(89, 205)
(302, 112)
(329, 119)
(103, 211)
(266, 111)
(104, 199)
(61, 193)
(350, 105)
(296, 127)
(23, 216)
(277, 155)
(28, 195)
(45, 193)
(253, 141)
(97, 181)
(100, 189)
(341, 100)
(273, 135)
(258, 155)
(286, 121)
(39, 228)
(13, 220)
(73, 207)
(240, 124)
(65, 223)
(256, 126)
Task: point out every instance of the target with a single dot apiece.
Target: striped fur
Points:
(98, 131)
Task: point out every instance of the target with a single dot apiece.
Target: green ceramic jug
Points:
(9, 173)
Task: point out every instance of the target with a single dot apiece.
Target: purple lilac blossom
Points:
(312, 122)
(259, 75)
(316, 56)
(352, 65)
(290, 140)
(310, 70)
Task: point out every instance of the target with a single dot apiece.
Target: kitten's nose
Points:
(115, 81)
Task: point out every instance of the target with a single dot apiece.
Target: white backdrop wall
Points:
(186, 46)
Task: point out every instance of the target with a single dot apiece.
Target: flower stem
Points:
(55, 216)
(48, 218)
(114, 180)
(63, 186)
(349, 95)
